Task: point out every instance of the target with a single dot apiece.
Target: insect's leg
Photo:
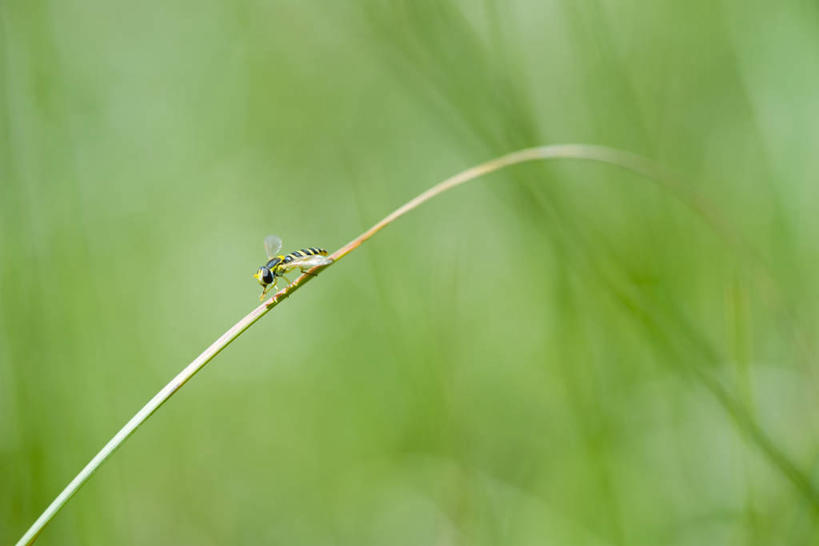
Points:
(286, 269)
(267, 289)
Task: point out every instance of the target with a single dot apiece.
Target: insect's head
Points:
(264, 276)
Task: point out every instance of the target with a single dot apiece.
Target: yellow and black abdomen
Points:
(304, 252)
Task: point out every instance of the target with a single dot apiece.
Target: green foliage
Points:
(560, 354)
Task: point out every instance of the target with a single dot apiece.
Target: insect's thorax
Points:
(273, 263)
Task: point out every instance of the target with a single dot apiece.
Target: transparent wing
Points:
(272, 245)
(309, 261)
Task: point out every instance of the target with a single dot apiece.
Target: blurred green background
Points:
(560, 353)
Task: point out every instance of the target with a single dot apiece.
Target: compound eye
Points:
(267, 276)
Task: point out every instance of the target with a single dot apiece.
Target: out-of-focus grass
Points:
(147, 149)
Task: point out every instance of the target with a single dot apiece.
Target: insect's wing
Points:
(308, 262)
(272, 246)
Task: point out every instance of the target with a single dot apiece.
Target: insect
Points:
(279, 265)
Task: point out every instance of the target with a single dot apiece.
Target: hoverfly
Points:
(278, 265)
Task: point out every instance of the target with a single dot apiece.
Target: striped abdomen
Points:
(304, 252)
